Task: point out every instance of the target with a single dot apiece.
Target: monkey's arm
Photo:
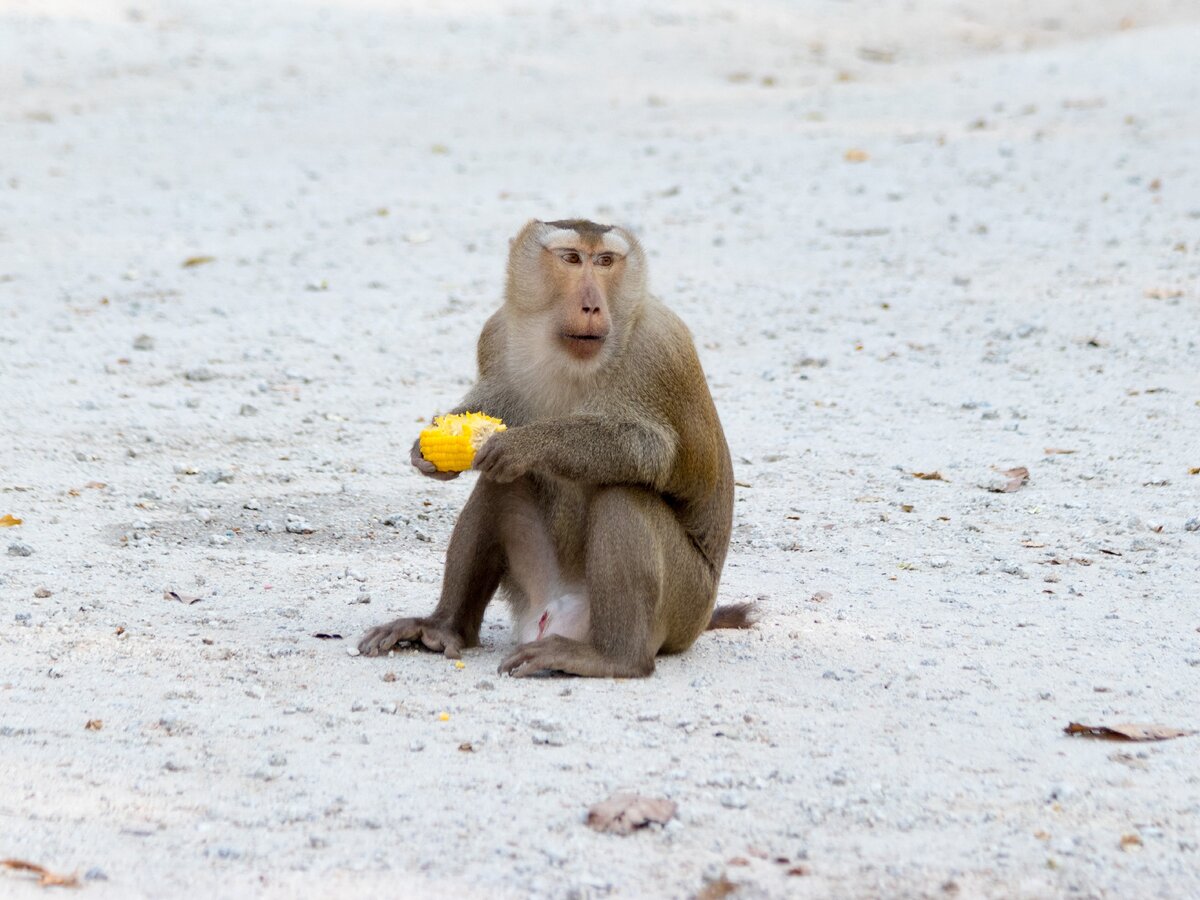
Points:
(587, 449)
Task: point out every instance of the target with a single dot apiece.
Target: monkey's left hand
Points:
(504, 457)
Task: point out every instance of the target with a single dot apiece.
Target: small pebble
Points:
(252, 503)
(16, 548)
(277, 759)
(199, 374)
(143, 342)
(247, 410)
(299, 525)
(42, 593)
(1192, 524)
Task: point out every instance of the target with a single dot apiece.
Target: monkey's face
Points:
(575, 277)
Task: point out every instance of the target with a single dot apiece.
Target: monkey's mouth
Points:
(584, 346)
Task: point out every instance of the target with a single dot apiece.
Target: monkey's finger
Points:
(369, 645)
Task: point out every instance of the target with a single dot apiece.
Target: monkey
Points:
(603, 513)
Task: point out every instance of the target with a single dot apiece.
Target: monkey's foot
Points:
(427, 633)
(559, 654)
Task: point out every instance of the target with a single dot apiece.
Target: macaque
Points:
(603, 512)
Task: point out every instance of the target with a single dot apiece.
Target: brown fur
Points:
(733, 615)
(615, 465)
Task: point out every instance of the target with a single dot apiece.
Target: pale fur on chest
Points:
(549, 385)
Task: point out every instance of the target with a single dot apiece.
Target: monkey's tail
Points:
(733, 615)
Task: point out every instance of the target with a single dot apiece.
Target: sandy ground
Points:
(1011, 269)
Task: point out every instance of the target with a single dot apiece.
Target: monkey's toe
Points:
(531, 658)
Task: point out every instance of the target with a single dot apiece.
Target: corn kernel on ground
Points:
(452, 441)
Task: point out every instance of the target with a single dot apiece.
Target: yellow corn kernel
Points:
(452, 441)
(443, 717)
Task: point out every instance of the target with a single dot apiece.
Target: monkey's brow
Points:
(599, 251)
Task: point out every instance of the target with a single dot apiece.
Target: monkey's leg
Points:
(532, 559)
(648, 589)
(474, 564)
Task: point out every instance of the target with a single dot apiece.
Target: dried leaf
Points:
(192, 261)
(1058, 451)
(1016, 479)
(94, 725)
(856, 156)
(95, 485)
(9, 521)
(1128, 732)
(322, 636)
(1195, 470)
(625, 813)
(46, 878)
(929, 476)
(1131, 842)
(715, 890)
(185, 599)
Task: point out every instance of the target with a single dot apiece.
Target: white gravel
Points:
(1012, 268)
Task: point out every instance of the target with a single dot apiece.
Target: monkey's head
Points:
(577, 283)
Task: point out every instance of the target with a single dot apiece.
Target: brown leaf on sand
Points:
(1128, 732)
(1195, 470)
(1016, 479)
(929, 476)
(715, 890)
(1131, 842)
(9, 521)
(856, 156)
(1058, 451)
(46, 878)
(185, 599)
(94, 724)
(192, 261)
(625, 813)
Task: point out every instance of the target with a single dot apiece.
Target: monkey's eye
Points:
(604, 259)
(571, 258)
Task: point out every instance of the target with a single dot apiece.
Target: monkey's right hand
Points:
(429, 633)
(425, 467)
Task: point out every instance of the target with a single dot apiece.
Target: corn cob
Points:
(452, 441)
